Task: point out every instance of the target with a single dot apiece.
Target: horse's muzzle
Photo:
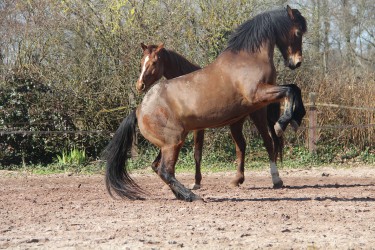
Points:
(140, 87)
(294, 62)
(294, 66)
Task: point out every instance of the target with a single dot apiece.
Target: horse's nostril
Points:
(140, 87)
(298, 64)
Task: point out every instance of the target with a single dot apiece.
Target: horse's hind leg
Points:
(260, 120)
(155, 164)
(166, 171)
(239, 140)
(198, 146)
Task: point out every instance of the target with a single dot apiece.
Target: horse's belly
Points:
(215, 117)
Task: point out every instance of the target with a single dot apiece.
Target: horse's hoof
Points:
(195, 186)
(235, 183)
(237, 180)
(280, 184)
(190, 198)
(184, 194)
(294, 125)
(278, 130)
(197, 198)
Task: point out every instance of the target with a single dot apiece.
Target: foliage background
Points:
(64, 62)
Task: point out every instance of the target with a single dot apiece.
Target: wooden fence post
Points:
(312, 123)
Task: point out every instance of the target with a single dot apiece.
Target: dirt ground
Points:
(320, 208)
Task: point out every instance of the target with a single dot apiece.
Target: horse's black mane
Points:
(180, 63)
(268, 26)
(183, 65)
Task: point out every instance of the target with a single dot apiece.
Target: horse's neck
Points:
(264, 61)
(267, 51)
(173, 68)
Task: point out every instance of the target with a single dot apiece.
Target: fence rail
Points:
(312, 123)
(331, 105)
(313, 120)
(26, 132)
(339, 126)
(89, 132)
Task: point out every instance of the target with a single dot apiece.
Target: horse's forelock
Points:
(300, 20)
(151, 48)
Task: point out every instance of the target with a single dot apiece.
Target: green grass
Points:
(56, 168)
(68, 161)
(72, 157)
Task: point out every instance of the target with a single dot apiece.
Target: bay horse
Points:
(158, 61)
(237, 83)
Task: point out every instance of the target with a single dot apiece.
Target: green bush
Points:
(39, 116)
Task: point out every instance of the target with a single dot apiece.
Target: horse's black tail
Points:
(273, 114)
(117, 152)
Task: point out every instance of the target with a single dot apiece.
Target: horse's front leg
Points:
(259, 118)
(239, 140)
(299, 110)
(294, 110)
(198, 146)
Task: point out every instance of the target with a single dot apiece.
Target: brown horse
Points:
(158, 61)
(239, 82)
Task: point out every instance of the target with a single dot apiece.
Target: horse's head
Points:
(291, 44)
(151, 67)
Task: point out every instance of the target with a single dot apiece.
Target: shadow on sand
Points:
(317, 198)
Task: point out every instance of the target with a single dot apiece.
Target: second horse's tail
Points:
(273, 114)
(116, 154)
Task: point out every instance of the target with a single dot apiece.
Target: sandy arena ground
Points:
(320, 208)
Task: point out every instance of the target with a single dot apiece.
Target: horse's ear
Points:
(160, 47)
(290, 12)
(144, 46)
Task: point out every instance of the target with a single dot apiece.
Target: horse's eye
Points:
(298, 33)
